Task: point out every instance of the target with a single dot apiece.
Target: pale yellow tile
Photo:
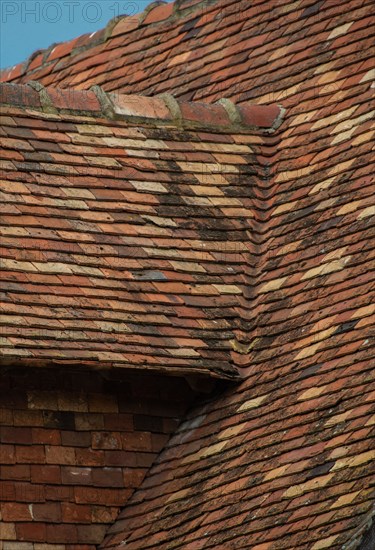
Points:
(275, 284)
(338, 418)
(342, 29)
(345, 499)
(352, 461)
(311, 393)
(330, 267)
(298, 490)
(370, 75)
(252, 403)
(307, 352)
(369, 211)
(228, 289)
(324, 543)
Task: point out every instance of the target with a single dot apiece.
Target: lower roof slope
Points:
(125, 236)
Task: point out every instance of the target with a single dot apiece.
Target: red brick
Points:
(106, 440)
(11, 155)
(49, 512)
(120, 422)
(60, 455)
(93, 495)
(89, 457)
(48, 437)
(136, 441)
(17, 472)
(72, 401)
(93, 533)
(42, 399)
(16, 435)
(28, 492)
(76, 476)
(107, 477)
(75, 513)
(59, 493)
(28, 418)
(61, 533)
(7, 491)
(15, 512)
(31, 455)
(7, 454)
(45, 474)
(103, 514)
(63, 420)
(35, 532)
(6, 416)
(87, 421)
(76, 439)
(120, 458)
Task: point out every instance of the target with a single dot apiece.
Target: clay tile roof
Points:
(286, 459)
(127, 223)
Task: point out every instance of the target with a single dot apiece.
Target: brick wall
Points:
(74, 446)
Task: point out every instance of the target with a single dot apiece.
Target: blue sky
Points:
(29, 25)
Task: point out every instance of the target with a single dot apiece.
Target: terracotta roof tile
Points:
(144, 227)
(205, 211)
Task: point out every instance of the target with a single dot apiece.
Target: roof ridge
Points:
(165, 109)
(155, 12)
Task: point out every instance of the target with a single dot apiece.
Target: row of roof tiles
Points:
(164, 109)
